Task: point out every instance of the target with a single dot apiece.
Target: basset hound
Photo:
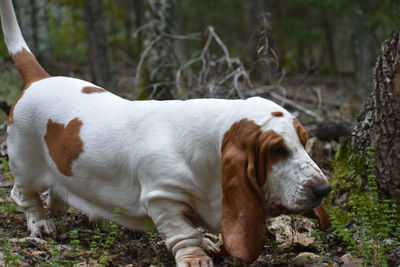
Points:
(220, 164)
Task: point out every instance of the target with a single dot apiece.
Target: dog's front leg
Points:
(172, 219)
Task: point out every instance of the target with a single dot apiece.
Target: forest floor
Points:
(80, 242)
(83, 243)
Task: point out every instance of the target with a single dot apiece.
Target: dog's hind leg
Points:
(31, 177)
(57, 206)
(27, 197)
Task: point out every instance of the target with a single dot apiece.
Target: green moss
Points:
(347, 170)
(340, 215)
(364, 221)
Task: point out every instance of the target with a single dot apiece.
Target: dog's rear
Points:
(25, 168)
(44, 140)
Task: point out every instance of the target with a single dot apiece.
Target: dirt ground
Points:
(127, 248)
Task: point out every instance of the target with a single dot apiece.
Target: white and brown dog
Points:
(221, 164)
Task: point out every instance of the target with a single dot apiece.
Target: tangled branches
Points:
(214, 73)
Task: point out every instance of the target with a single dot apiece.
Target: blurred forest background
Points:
(160, 48)
(314, 57)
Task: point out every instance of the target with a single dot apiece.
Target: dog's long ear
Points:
(321, 215)
(243, 220)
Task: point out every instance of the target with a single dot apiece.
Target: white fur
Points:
(12, 33)
(154, 160)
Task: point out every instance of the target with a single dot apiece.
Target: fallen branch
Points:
(293, 104)
(284, 100)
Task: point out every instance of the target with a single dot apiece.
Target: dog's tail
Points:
(24, 60)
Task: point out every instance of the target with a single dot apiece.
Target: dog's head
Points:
(265, 172)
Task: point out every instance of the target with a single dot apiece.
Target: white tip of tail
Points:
(12, 33)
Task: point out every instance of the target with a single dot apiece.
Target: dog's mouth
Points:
(276, 210)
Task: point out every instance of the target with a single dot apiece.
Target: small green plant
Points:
(74, 243)
(106, 232)
(10, 258)
(56, 255)
(369, 226)
(4, 165)
(6, 206)
(104, 237)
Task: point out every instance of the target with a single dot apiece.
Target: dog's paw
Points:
(38, 223)
(195, 261)
(193, 257)
(209, 246)
(40, 227)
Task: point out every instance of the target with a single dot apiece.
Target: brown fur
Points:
(277, 113)
(247, 155)
(30, 70)
(64, 144)
(321, 214)
(92, 89)
(301, 132)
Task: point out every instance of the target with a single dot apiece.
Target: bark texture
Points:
(161, 60)
(379, 121)
(363, 52)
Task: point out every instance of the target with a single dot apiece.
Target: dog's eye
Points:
(280, 150)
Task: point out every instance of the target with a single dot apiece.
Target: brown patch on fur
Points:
(29, 67)
(92, 89)
(247, 155)
(274, 149)
(64, 144)
(30, 70)
(301, 132)
(277, 114)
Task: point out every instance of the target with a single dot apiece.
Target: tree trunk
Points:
(97, 42)
(254, 11)
(328, 29)
(379, 121)
(257, 20)
(138, 9)
(363, 56)
(34, 23)
(161, 61)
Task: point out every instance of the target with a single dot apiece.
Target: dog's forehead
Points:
(284, 126)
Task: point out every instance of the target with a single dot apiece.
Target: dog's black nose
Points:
(320, 190)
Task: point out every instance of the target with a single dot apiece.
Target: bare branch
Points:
(141, 28)
(192, 36)
(297, 106)
(216, 74)
(142, 58)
